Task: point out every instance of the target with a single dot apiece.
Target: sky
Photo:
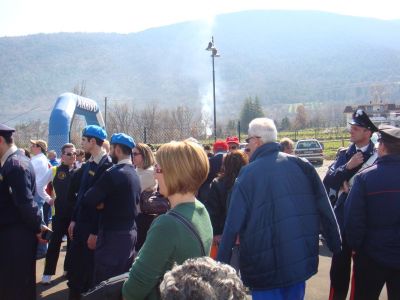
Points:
(24, 17)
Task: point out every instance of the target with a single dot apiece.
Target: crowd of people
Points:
(258, 212)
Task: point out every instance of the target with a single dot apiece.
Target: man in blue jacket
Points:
(116, 195)
(372, 221)
(339, 177)
(278, 204)
(85, 220)
(20, 221)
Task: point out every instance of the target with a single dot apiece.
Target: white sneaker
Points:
(64, 238)
(46, 279)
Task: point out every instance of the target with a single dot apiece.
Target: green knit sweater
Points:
(167, 242)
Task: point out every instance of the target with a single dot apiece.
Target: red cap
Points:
(232, 139)
(220, 146)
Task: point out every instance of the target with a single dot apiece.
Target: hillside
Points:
(280, 56)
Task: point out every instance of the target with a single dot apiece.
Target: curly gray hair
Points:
(202, 278)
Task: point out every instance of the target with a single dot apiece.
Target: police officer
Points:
(20, 221)
(339, 177)
(115, 195)
(60, 177)
(372, 221)
(84, 225)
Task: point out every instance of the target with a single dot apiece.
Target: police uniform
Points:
(61, 220)
(80, 272)
(334, 179)
(20, 221)
(372, 224)
(116, 195)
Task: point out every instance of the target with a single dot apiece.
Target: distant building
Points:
(379, 113)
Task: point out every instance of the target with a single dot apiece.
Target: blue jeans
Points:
(41, 248)
(293, 292)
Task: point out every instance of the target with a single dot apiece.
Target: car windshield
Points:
(308, 145)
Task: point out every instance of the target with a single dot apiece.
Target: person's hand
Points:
(43, 228)
(51, 202)
(71, 230)
(356, 160)
(91, 242)
(100, 206)
(345, 187)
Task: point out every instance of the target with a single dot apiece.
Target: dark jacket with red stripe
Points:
(372, 212)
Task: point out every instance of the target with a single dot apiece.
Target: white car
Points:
(311, 149)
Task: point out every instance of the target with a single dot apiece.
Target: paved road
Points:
(317, 287)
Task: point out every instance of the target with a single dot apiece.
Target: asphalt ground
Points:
(317, 288)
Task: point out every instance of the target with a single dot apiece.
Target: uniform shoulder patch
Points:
(61, 175)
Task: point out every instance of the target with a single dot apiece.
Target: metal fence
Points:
(332, 137)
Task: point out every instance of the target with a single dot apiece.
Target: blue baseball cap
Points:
(95, 131)
(123, 139)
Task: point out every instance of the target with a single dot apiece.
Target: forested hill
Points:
(279, 56)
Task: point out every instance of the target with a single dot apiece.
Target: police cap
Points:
(360, 118)
(390, 133)
(6, 131)
(123, 139)
(94, 131)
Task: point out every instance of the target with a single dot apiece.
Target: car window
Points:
(308, 145)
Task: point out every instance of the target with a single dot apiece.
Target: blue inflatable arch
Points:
(66, 107)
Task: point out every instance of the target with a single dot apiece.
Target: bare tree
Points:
(182, 117)
(77, 125)
(300, 121)
(33, 129)
(123, 118)
(80, 88)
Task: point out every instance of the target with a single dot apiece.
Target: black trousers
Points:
(81, 268)
(114, 253)
(340, 273)
(143, 223)
(60, 228)
(370, 277)
(17, 263)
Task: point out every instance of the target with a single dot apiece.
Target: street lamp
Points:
(214, 53)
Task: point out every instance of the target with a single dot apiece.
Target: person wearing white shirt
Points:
(40, 165)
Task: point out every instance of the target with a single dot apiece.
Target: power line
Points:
(22, 114)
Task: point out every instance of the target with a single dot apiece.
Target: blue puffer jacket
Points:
(278, 204)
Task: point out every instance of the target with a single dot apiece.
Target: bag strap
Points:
(189, 226)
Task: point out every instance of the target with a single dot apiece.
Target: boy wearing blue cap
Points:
(85, 220)
(115, 195)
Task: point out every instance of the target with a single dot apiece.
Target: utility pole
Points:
(214, 53)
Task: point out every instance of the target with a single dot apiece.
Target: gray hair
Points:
(263, 128)
(202, 279)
